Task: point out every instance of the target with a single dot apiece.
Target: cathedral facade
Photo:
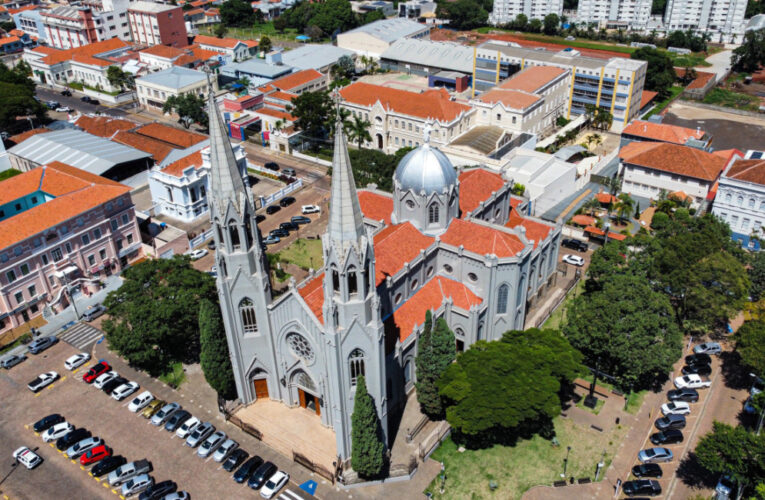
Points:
(455, 243)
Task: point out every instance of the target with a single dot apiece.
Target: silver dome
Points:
(425, 169)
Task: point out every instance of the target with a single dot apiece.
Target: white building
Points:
(721, 18)
(232, 49)
(372, 39)
(505, 11)
(155, 88)
(635, 13)
(547, 179)
(740, 199)
(93, 21)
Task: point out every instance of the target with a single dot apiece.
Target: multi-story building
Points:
(157, 24)
(505, 11)
(31, 23)
(723, 19)
(740, 199)
(69, 27)
(635, 14)
(614, 84)
(60, 227)
(159, 57)
(154, 89)
(371, 40)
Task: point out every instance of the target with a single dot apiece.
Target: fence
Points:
(313, 159)
(248, 428)
(273, 197)
(198, 240)
(571, 284)
(312, 466)
(430, 443)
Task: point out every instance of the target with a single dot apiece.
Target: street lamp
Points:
(565, 462)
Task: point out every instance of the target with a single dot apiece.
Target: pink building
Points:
(60, 225)
(157, 24)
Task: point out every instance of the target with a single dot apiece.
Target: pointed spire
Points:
(346, 223)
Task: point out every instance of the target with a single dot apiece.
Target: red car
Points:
(95, 371)
(95, 454)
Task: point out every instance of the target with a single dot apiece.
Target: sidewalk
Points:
(82, 302)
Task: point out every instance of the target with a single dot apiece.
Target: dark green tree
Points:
(332, 16)
(190, 108)
(374, 166)
(358, 130)
(372, 16)
(153, 316)
(658, 6)
(214, 355)
(119, 78)
(751, 53)
(751, 345)
(535, 26)
(238, 13)
(734, 451)
(520, 23)
(220, 30)
(17, 92)
(427, 373)
(757, 276)
(551, 24)
(463, 14)
(312, 111)
(265, 45)
(367, 447)
(660, 74)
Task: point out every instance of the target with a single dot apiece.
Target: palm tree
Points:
(595, 139)
(591, 204)
(278, 126)
(624, 206)
(358, 130)
(244, 82)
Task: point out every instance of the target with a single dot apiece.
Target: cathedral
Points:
(453, 242)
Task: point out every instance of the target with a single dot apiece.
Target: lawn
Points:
(689, 60)
(175, 377)
(556, 318)
(7, 174)
(515, 469)
(729, 99)
(659, 106)
(254, 33)
(303, 253)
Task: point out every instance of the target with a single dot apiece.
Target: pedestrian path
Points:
(81, 335)
(289, 495)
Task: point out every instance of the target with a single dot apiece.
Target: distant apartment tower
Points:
(724, 18)
(505, 11)
(634, 13)
(157, 24)
(93, 21)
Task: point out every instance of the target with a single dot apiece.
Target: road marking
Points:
(37, 434)
(38, 394)
(114, 491)
(26, 426)
(51, 445)
(105, 485)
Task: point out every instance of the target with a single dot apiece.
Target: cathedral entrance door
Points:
(261, 388)
(309, 401)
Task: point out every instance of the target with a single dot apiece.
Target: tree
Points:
(238, 13)
(358, 130)
(312, 111)
(367, 447)
(757, 276)
(499, 390)
(551, 23)
(346, 66)
(372, 16)
(213, 353)
(535, 25)
(119, 78)
(265, 45)
(751, 345)
(17, 92)
(751, 53)
(220, 30)
(463, 14)
(518, 189)
(734, 451)
(435, 351)
(660, 74)
(624, 206)
(153, 316)
(521, 22)
(190, 107)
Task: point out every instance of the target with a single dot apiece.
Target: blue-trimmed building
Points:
(740, 199)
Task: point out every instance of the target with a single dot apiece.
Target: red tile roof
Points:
(535, 231)
(701, 80)
(157, 149)
(313, 294)
(19, 138)
(662, 132)
(433, 104)
(19, 185)
(282, 96)
(430, 297)
(606, 198)
(224, 43)
(297, 79)
(682, 160)
(748, 171)
(22, 9)
(395, 246)
(728, 153)
(163, 51)
(510, 98)
(583, 220)
(533, 78)
(476, 185)
(177, 167)
(174, 136)
(482, 239)
(276, 114)
(376, 206)
(103, 126)
(600, 232)
(84, 54)
(8, 39)
(646, 97)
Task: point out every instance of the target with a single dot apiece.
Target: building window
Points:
(10, 276)
(114, 224)
(68, 247)
(448, 268)
(169, 195)
(433, 213)
(102, 254)
(502, 299)
(356, 365)
(125, 218)
(24, 269)
(300, 347)
(335, 281)
(740, 201)
(233, 233)
(247, 312)
(353, 286)
(92, 260)
(472, 277)
(398, 298)
(85, 239)
(32, 291)
(56, 254)
(44, 258)
(19, 297)
(130, 238)
(96, 233)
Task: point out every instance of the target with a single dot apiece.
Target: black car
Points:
(702, 370)
(642, 487)
(698, 359)
(573, 244)
(288, 226)
(670, 436)
(237, 457)
(247, 469)
(72, 437)
(300, 219)
(272, 209)
(211, 244)
(67, 93)
(647, 470)
(177, 420)
(46, 423)
(89, 100)
(670, 422)
(281, 233)
(107, 465)
(259, 218)
(686, 395)
(113, 384)
(287, 201)
(262, 475)
(158, 490)
(271, 165)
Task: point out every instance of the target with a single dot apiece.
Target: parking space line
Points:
(114, 491)
(105, 485)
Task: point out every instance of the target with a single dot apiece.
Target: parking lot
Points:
(130, 435)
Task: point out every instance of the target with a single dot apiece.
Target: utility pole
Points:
(69, 291)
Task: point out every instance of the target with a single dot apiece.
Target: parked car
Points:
(93, 312)
(687, 395)
(573, 260)
(76, 360)
(66, 92)
(237, 457)
(159, 490)
(259, 218)
(655, 455)
(676, 408)
(96, 371)
(136, 485)
(757, 386)
(275, 483)
(670, 422)
(573, 244)
(10, 361)
(198, 253)
(289, 226)
(139, 402)
(310, 209)
(286, 201)
(272, 165)
(247, 469)
(724, 487)
(272, 209)
(38, 345)
(152, 408)
(211, 244)
(704, 370)
(104, 378)
(228, 446)
(27, 457)
(300, 219)
(107, 465)
(670, 436)
(127, 471)
(124, 390)
(95, 454)
(165, 413)
(113, 384)
(176, 419)
(82, 446)
(199, 434)
(47, 422)
(71, 438)
(261, 475)
(59, 430)
(272, 240)
(90, 100)
(281, 233)
(211, 444)
(42, 381)
(642, 487)
(52, 104)
(691, 382)
(698, 359)
(708, 348)
(647, 470)
(187, 427)
(290, 171)
(178, 495)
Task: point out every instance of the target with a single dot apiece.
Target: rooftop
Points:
(176, 77)
(673, 158)
(314, 56)
(223, 43)
(662, 132)
(152, 7)
(476, 185)
(390, 30)
(375, 206)
(646, 97)
(157, 149)
(510, 98)
(482, 239)
(103, 126)
(748, 171)
(535, 231)
(19, 138)
(297, 79)
(443, 55)
(396, 245)
(533, 78)
(85, 53)
(431, 104)
(177, 167)
(561, 57)
(256, 67)
(163, 51)
(176, 137)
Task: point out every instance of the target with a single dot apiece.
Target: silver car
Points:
(81, 447)
(137, 485)
(12, 361)
(211, 444)
(200, 434)
(225, 450)
(166, 412)
(655, 455)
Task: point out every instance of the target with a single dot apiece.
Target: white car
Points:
(27, 457)
(140, 401)
(124, 390)
(64, 109)
(187, 427)
(574, 260)
(311, 209)
(676, 408)
(43, 380)
(104, 378)
(724, 487)
(198, 253)
(225, 450)
(691, 382)
(76, 361)
(274, 484)
(57, 431)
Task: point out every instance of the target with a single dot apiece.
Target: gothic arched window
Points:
(222, 267)
(433, 213)
(502, 294)
(335, 280)
(353, 285)
(233, 232)
(356, 365)
(519, 292)
(247, 313)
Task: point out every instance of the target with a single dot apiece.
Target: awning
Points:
(66, 270)
(128, 250)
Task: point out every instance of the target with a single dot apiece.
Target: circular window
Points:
(429, 272)
(397, 300)
(472, 277)
(448, 268)
(410, 204)
(414, 284)
(300, 347)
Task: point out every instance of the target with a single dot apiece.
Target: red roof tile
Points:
(606, 198)
(19, 138)
(646, 97)
(748, 171)
(429, 104)
(600, 232)
(174, 136)
(104, 126)
(282, 115)
(395, 246)
(583, 220)
(535, 231)
(157, 149)
(533, 78)
(177, 167)
(224, 43)
(282, 96)
(313, 294)
(510, 98)
(482, 239)
(376, 206)
(297, 79)
(662, 132)
(476, 185)
(85, 53)
(163, 51)
(682, 160)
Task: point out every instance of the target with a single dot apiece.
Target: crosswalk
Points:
(289, 495)
(81, 335)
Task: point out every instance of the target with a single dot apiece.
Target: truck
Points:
(128, 471)
(692, 382)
